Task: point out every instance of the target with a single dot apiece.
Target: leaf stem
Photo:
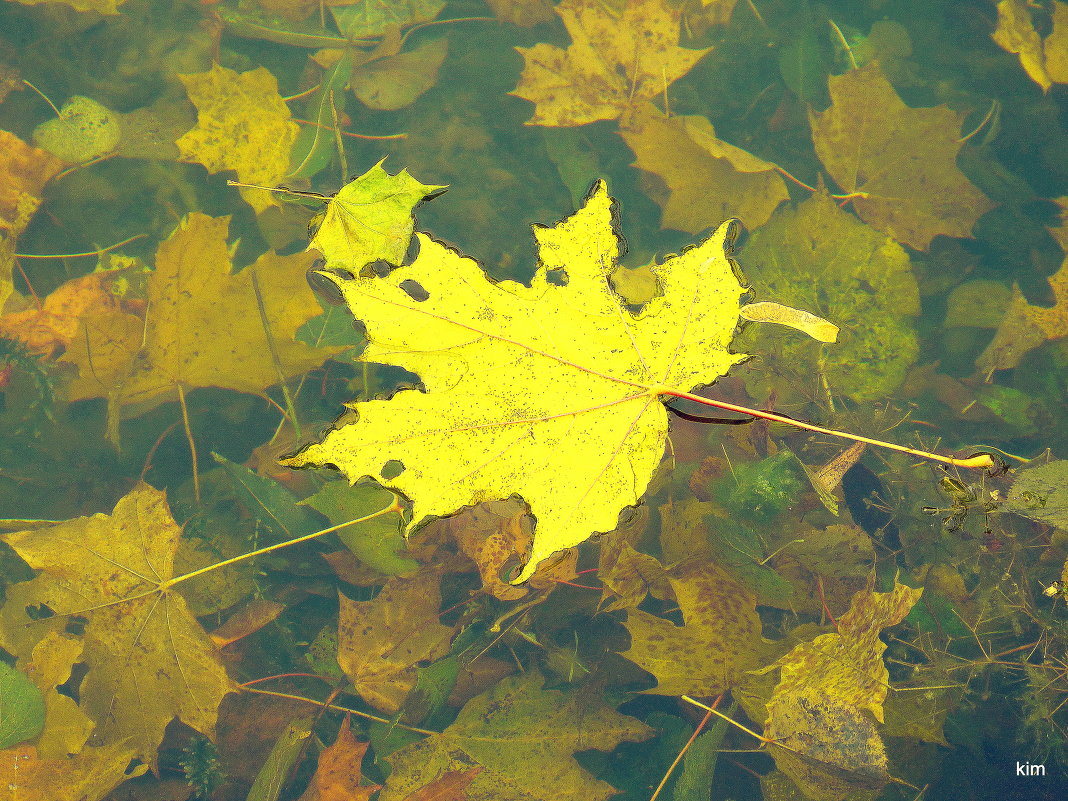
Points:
(273, 348)
(192, 444)
(164, 585)
(97, 252)
(982, 460)
(335, 707)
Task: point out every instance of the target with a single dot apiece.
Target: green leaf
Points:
(276, 770)
(370, 219)
(699, 764)
(1041, 493)
(366, 18)
(274, 506)
(378, 543)
(22, 709)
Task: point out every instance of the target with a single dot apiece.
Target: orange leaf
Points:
(337, 778)
(899, 162)
(449, 786)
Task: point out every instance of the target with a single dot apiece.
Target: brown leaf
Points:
(88, 776)
(900, 162)
(249, 619)
(716, 643)
(615, 62)
(380, 641)
(337, 777)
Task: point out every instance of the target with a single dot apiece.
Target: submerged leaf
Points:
(816, 256)
(149, 660)
(900, 162)
(524, 738)
(616, 61)
(242, 125)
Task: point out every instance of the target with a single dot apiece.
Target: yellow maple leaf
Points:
(549, 391)
(898, 163)
(203, 326)
(708, 179)
(615, 62)
(1044, 60)
(149, 660)
(88, 776)
(1024, 327)
(380, 641)
(716, 644)
(242, 125)
(830, 748)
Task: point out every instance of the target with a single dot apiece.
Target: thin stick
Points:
(98, 252)
(336, 707)
(192, 445)
(43, 96)
(167, 584)
(982, 460)
(343, 133)
(685, 748)
(732, 721)
(272, 347)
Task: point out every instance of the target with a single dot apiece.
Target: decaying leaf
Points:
(185, 340)
(524, 738)
(520, 389)
(816, 256)
(717, 643)
(337, 777)
(616, 61)
(88, 776)
(84, 130)
(451, 785)
(54, 325)
(828, 692)
(1024, 327)
(898, 162)
(380, 641)
(360, 19)
(242, 125)
(524, 13)
(149, 660)
(1044, 60)
(397, 80)
(24, 171)
(708, 179)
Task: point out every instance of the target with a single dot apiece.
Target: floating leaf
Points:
(149, 660)
(242, 125)
(769, 312)
(708, 179)
(616, 61)
(717, 642)
(899, 162)
(370, 219)
(524, 738)
(519, 389)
